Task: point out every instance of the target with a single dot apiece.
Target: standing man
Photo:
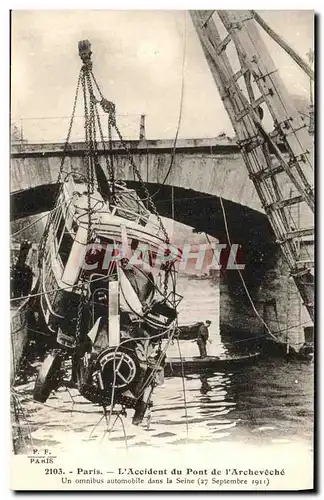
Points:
(202, 338)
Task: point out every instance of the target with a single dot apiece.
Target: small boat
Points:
(174, 366)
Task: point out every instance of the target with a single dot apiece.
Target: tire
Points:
(141, 407)
(48, 377)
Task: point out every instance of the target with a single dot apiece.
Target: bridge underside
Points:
(200, 210)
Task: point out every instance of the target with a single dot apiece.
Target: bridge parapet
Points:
(206, 145)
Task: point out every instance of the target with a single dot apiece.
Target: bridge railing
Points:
(43, 130)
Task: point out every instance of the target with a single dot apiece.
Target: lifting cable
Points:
(242, 278)
(184, 53)
(181, 97)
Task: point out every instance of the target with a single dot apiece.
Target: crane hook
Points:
(85, 54)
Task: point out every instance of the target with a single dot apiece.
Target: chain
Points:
(96, 84)
(87, 129)
(111, 121)
(67, 141)
(109, 164)
(79, 316)
(147, 194)
(59, 177)
(151, 206)
(110, 109)
(111, 154)
(90, 155)
(92, 128)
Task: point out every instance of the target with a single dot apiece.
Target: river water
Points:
(268, 402)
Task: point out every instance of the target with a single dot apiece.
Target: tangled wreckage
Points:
(105, 315)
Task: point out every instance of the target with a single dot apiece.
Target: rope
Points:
(158, 363)
(241, 276)
(181, 97)
(258, 336)
(181, 106)
(147, 381)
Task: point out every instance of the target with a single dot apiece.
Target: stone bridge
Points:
(186, 183)
(208, 166)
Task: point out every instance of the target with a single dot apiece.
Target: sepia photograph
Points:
(162, 250)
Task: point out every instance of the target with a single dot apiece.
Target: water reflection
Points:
(205, 386)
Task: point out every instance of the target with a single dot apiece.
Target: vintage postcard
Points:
(162, 250)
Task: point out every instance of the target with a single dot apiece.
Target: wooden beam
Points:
(299, 233)
(301, 63)
(276, 205)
